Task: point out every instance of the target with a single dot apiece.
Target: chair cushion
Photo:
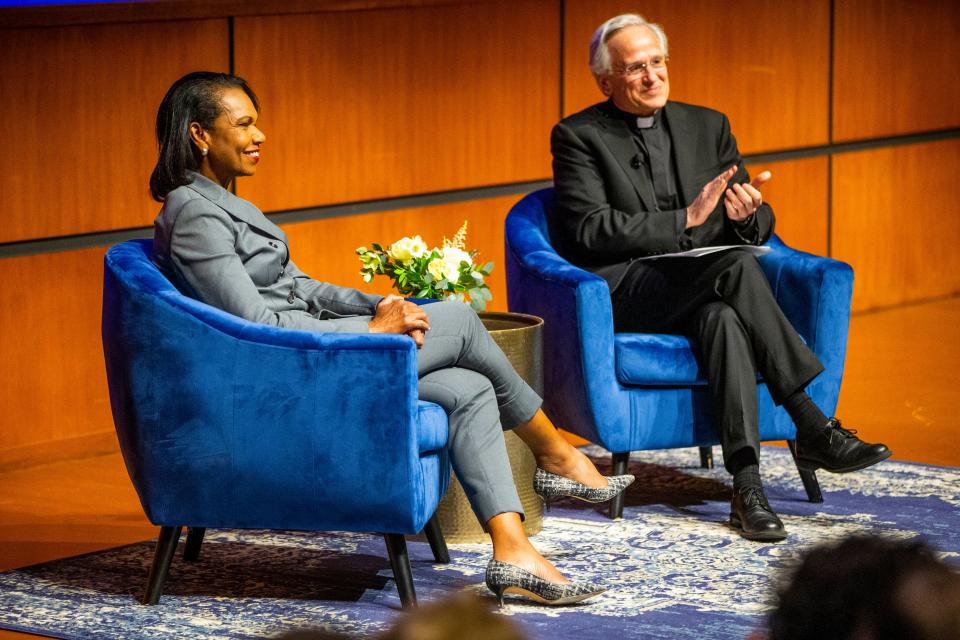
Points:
(432, 431)
(656, 359)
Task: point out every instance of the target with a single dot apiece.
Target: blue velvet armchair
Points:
(228, 423)
(635, 391)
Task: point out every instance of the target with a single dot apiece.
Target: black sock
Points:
(745, 469)
(806, 415)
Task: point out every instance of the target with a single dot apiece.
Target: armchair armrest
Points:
(815, 294)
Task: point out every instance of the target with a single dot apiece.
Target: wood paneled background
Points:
(755, 63)
(419, 106)
(374, 99)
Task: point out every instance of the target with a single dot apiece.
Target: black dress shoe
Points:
(838, 450)
(751, 514)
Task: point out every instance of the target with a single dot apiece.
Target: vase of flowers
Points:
(448, 272)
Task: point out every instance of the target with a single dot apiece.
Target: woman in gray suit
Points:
(224, 251)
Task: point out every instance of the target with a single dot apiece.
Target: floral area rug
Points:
(673, 567)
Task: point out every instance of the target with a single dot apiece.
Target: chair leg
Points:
(191, 551)
(435, 537)
(706, 457)
(400, 562)
(166, 547)
(807, 476)
(620, 461)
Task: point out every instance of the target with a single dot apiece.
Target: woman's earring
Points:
(203, 151)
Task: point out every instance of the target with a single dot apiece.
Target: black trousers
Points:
(724, 303)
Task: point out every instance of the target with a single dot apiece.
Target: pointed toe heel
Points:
(550, 486)
(503, 578)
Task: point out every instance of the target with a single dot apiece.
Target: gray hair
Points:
(600, 52)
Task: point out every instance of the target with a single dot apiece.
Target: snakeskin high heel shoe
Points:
(550, 486)
(503, 577)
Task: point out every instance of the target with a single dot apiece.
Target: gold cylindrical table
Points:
(519, 336)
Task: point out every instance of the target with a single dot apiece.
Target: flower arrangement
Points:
(444, 273)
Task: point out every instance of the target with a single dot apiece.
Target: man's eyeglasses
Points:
(637, 69)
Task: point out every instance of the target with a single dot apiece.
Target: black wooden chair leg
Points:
(166, 547)
(706, 457)
(435, 537)
(807, 476)
(400, 563)
(620, 461)
(191, 551)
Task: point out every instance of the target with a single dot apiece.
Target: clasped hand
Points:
(396, 315)
(740, 200)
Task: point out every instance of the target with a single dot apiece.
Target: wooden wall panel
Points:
(896, 219)
(388, 102)
(80, 105)
(798, 194)
(764, 64)
(53, 383)
(895, 67)
(325, 248)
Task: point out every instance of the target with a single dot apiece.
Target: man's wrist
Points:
(746, 222)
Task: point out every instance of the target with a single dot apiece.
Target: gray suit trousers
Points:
(464, 371)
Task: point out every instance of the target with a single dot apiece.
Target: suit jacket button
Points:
(291, 298)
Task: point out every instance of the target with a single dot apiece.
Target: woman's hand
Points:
(396, 315)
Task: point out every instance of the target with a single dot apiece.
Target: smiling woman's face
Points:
(233, 142)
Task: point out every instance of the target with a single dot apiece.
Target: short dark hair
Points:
(868, 587)
(193, 98)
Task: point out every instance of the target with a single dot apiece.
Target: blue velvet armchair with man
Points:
(639, 176)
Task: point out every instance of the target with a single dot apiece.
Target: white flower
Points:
(405, 249)
(447, 265)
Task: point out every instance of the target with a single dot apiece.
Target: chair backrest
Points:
(228, 423)
(578, 321)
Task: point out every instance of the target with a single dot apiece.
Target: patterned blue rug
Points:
(675, 570)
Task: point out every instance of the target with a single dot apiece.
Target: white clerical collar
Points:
(645, 122)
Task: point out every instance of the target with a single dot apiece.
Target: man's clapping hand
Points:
(740, 200)
(743, 200)
(708, 198)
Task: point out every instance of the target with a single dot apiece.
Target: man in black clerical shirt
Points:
(639, 176)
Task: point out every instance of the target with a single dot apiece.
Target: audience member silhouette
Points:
(869, 588)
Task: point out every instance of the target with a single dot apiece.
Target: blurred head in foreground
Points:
(463, 617)
(869, 588)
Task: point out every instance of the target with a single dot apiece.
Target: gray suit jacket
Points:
(605, 212)
(222, 250)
